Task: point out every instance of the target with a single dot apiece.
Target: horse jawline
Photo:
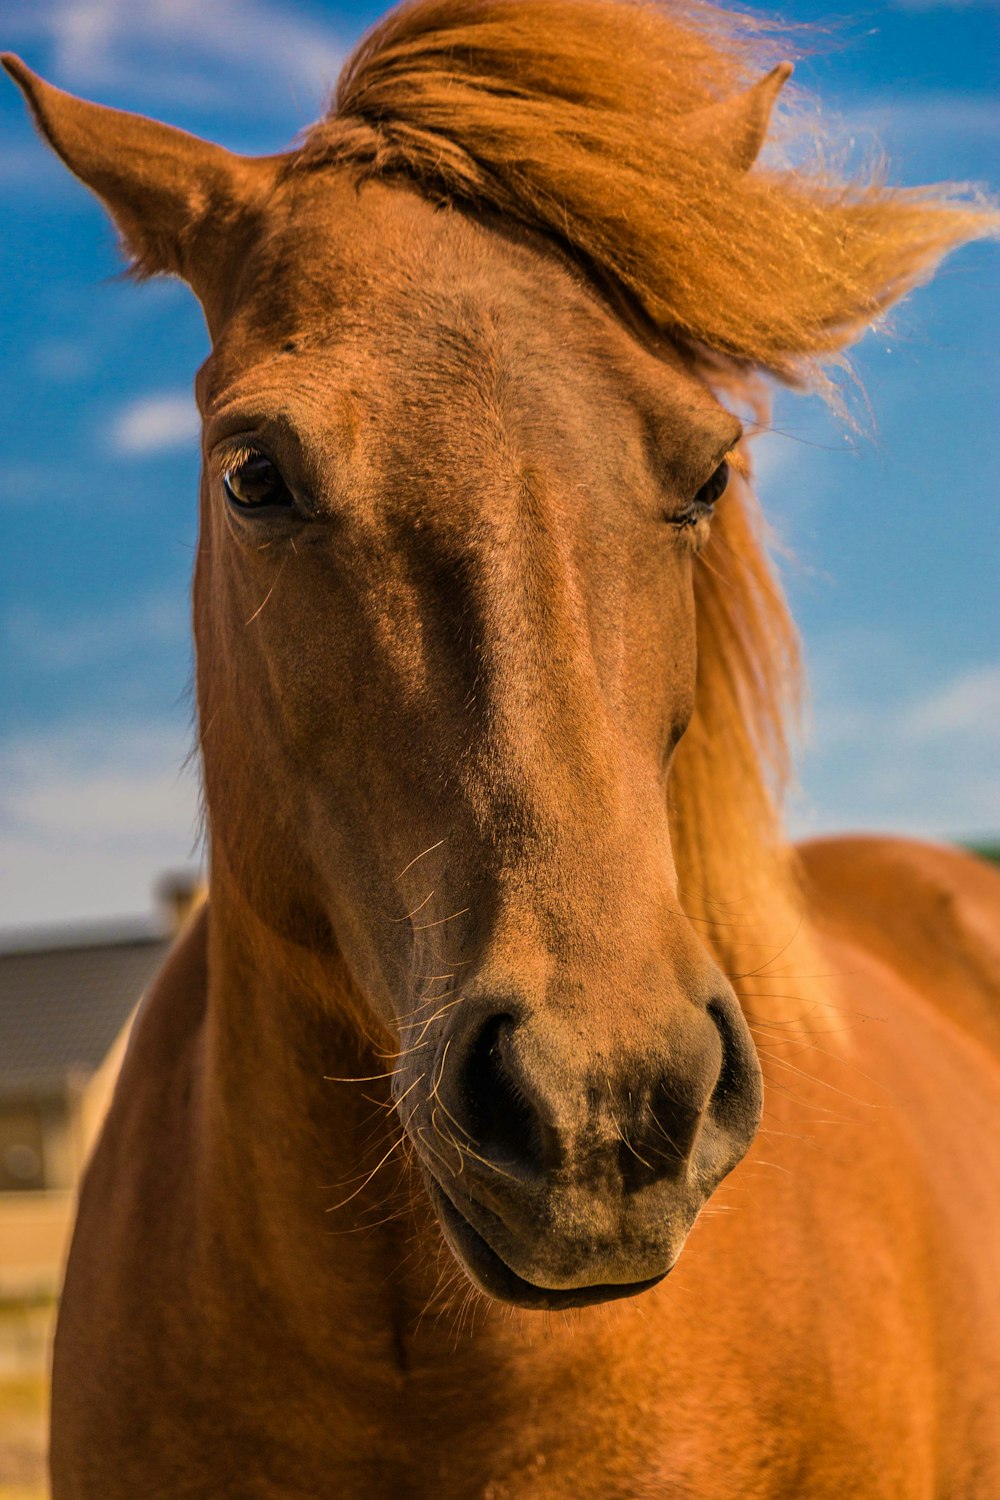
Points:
(493, 1276)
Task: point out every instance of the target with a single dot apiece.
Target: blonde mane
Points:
(567, 116)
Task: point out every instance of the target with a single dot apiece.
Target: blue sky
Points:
(892, 538)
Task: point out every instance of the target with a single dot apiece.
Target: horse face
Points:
(444, 607)
(446, 648)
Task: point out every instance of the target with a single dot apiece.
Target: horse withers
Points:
(502, 933)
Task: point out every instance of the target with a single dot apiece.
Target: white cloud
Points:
(153, 424)
(781, 456)
(243, 55)
(924, 763)
(943, 4)
(774, 459)
(28, 165)
(932, 115)
(62, 360)
(90, 819)
(26, 483)
(969, 705)
(96, 638)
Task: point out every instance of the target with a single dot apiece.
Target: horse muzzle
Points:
(563, 1175)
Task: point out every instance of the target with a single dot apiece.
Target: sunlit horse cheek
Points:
(492, 673)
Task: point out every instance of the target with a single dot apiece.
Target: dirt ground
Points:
(25, 1332)
(23, 1402)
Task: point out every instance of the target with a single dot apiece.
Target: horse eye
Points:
(255, 482)
(701, 506)
(713, 489)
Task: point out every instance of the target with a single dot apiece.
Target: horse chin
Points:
(492, 1275)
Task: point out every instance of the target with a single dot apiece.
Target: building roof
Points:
(63, 1004)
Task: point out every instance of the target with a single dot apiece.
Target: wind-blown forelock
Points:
(566, 115)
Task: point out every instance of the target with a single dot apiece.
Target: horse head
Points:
(444, 602)
(463, 456)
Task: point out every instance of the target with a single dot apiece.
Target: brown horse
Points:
(491, 672)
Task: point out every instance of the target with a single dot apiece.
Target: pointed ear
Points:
(735, 128)
(175, 199)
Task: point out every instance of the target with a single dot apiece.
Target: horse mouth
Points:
(493, 1275)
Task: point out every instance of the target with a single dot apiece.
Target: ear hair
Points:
(171, 195)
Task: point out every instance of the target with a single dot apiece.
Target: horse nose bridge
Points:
(595, 887)
(579, 834)
(558, 788)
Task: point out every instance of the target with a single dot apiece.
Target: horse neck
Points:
(285, 1150)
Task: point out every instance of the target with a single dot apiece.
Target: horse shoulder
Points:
(930, 912)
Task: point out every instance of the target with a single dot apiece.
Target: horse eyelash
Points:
(223, 460)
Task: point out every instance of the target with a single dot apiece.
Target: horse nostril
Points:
(657, 1142)
(737, 1097)
(502, 1122)
(674, 1125)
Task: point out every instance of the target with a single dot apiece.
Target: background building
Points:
(65, 1011)
(66, 1005)
(67, 1001)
